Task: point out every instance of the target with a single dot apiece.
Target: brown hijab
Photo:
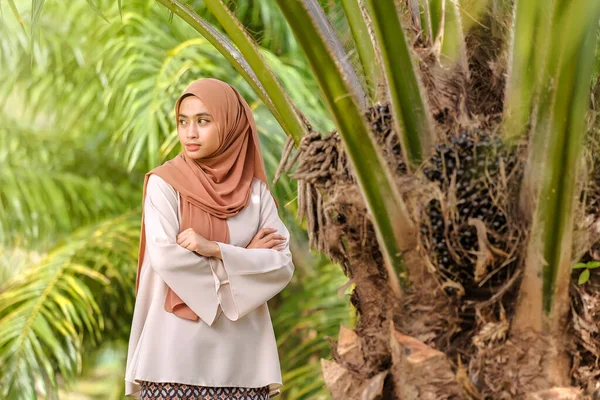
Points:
(216, 187)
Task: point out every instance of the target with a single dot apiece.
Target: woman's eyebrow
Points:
(203, 114)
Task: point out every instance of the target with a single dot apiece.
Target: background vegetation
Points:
(458, 188)
(82, 117)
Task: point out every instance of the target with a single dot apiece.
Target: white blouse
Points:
(233, 343)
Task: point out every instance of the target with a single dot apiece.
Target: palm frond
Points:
(451, 39)
(123, 77)
(51, 310)
(411, 116)
(391, 221)
(309, 311)
(355, 12)
(528, 60)
(333, 43)
(46, 192)
(102, 374)
(557, 137)
(13, 259)
(265, 23)
(285, 112)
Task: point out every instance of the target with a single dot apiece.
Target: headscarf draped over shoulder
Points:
(215, 187)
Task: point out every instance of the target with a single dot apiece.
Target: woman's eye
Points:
(181, 121)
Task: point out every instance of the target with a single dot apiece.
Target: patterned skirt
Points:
(181, 391)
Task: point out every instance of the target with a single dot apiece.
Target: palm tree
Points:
(447, 190)
(81, 123)
(452, 191)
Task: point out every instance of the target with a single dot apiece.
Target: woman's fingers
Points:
(264, 238)
(185, 238)
(265, 231)
(181, 239)
(185, 233)
(273, 242)
(274, 236)
(184, 243)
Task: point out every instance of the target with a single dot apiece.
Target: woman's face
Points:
(196, 128)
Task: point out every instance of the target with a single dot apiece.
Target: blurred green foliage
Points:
(82, 118)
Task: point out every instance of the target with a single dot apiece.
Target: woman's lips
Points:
(192, 147)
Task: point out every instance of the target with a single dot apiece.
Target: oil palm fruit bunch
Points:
(471, 173)
(380, 120)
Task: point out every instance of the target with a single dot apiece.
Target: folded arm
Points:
(187, 273)
(250, 277)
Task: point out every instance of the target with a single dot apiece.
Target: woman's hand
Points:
(197, 243)
(266, 238)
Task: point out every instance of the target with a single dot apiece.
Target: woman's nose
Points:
(192, 132)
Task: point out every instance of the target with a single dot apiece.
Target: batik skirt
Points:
(181, 391)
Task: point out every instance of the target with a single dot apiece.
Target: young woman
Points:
(213, 250)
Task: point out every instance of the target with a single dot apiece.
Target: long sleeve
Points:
(250, 277)
(187, 273)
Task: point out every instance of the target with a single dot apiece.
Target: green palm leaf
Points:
(310, 311)
(412, 119)
(391, 220)
(51, 310)
(42, 195)
(283, 108)
(355, 11)
(557, 136)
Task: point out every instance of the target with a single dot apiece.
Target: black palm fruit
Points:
(474, 160)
